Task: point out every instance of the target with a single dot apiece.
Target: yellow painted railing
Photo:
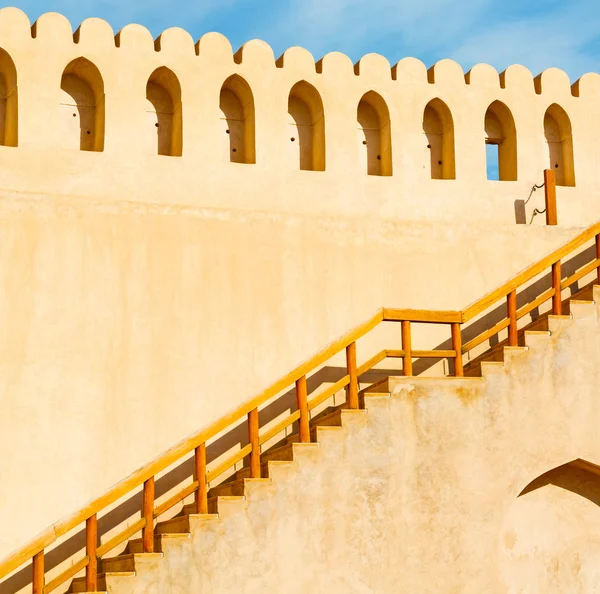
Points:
(588, 262)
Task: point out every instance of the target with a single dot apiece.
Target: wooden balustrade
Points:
(457, 348)
(38, 579)
(302, 402)
(148, 515)
(253, 439)
(556, 285)
(201, 494)
(197, 444)
(91, 545)
(511, 307)
(351, 369)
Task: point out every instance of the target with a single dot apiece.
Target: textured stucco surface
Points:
(128, 327)
(421, 493)
(144, 296)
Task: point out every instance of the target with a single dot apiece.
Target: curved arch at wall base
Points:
(550, 539)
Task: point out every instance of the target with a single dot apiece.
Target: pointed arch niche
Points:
(165, 114)
(82, 106)
(438, 127)
(307, 126)
(237, 108)
(501, 141)
(374, 134)
(9, 103)
(559, 136)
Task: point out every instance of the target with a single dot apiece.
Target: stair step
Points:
(213, 510)
(126, 562)
(136, 545)
(235, 488)
(79, 585)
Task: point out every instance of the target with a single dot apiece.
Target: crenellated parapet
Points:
(134, 99)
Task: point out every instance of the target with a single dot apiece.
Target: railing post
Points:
(556, 298)
(201, 495)
(550, 192)
(91, 545)
(511, 306)
(598, 254)
(148, 514)
(302, 400)
(253, 429)
(407, 348)
(351, 368)
(38, 573)
(457, 346)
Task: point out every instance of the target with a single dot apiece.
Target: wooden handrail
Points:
(197, 442)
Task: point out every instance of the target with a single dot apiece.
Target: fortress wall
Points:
(45, 160)
(143, 296)
(127, 327)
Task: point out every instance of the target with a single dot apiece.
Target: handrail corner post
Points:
(353, 401)
(302, 401)
(148, 514)
(457, 348)
(407, 367)
(598, 257)
(91, 547)
(550, 196)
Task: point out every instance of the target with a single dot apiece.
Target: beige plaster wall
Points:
(47, 161)
(143, 296)
(421, 493)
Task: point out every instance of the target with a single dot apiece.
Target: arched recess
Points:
(307, 126)
(548, 541)
(374, 134)
(501, 135)
(559, 136)
(82, 106)
(9, 103)
(165, 114)
(438, 127)
(237, 107)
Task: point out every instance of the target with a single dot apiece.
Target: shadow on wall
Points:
(579, 477)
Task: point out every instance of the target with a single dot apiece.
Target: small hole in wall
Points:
(365, 142)
(556, 165)
(74, 115)
(428, 146)
(234, 150)
(379, 157)
(439, 162)
(226, 131)
(88, 132)
(156, 124)
(293, 139)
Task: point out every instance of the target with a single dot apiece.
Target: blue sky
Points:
(536, 33)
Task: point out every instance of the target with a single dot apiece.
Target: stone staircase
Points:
(407, 494)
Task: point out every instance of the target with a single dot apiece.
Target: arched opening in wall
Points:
(374, 134)
(438, 127)
(165, 114)
(82, 106)
(501, 143)
(9, 103)
(307, 127)
(557, 129)
(237, 107)
(548, 540)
